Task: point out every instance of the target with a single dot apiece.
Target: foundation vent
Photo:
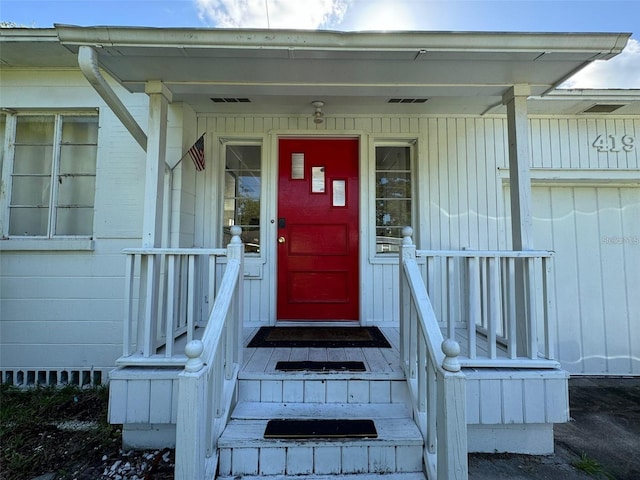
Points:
(28, 377)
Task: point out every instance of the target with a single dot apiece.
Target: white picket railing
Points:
(164, 293)
(497, 304)
(207, 385)
(436, 385)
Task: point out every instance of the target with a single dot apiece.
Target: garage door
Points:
(595, 232)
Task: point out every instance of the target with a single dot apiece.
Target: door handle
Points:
(281, 240)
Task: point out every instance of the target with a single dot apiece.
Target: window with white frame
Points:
(242, 191)
(52, 175)
(393, 195)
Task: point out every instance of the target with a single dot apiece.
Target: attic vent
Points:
(407, 100)
(603, 108)
(230, 100)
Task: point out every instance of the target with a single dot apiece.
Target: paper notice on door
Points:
(339, 193)
(297, 166)
(317, 180)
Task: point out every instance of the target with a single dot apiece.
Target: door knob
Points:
(281, 240)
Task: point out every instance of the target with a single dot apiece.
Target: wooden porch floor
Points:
(380, 362)
(384, 362)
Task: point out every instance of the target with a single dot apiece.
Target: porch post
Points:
(159, 98)
(520, 196)
(519, 176)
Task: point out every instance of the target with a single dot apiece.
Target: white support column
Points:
(521, 205)
(159, 99)
(519, 176)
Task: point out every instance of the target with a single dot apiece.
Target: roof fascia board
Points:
(601, 45)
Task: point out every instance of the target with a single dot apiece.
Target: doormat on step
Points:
(320, 429)
(319, 337)
(309, 366)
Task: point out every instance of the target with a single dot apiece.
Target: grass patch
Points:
(34, 441)
(591, 467)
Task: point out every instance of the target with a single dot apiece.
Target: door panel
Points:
(318, 241)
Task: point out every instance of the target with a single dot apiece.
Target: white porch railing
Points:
(433, 374)
(164, 293)
(207, 385)
(497, 304)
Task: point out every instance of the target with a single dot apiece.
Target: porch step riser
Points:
(325, 459)
(323, 391)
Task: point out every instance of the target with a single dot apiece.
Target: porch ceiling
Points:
(283, 71)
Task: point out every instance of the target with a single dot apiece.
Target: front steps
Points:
(301, 395)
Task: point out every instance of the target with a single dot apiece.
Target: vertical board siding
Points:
(561, 143)
(462, 204)
(595, 233)
(496, 396)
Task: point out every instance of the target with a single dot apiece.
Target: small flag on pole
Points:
(197, 153)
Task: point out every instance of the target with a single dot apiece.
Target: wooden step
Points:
(365, 476)
(244, 451)
(321, 388)
(257, 410)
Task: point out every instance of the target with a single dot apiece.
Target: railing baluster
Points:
(432, 407)
(474, 304)
(151, 282)
(452, 303)
(531, 289)
(170, 313)
(127, 332)
(510, 294)
(191, 283)
(549, 308)
(494, 309)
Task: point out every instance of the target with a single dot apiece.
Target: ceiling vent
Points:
(230, 100)
(603, 108)
(407, 100)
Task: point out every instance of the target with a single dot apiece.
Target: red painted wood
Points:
(318, 274)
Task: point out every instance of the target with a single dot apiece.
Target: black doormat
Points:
(319, 337)
(309, 366)
(320, 429)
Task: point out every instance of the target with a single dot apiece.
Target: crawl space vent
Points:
(603, 108)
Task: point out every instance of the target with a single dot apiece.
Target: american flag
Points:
(197, 153)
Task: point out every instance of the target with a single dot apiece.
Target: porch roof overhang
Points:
(282, 71)
(351, 72)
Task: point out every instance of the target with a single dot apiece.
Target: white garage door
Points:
(595, 232)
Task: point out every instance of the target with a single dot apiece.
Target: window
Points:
(242, 185)
(53, 175)
(393, 196)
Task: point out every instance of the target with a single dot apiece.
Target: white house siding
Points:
(462, 170)
(61, 308)
(586, 205)
(55, 303)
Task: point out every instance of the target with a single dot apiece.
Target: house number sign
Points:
(614, 143)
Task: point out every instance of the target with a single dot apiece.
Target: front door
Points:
(318, 230)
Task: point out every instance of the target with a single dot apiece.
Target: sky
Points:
(363, 15)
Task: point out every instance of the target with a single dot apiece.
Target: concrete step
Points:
(244, 451)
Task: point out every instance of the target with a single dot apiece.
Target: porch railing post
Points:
(407, 252)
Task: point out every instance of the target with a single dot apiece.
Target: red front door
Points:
(318, 230)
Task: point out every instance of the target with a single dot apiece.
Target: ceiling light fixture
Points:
(318, 116)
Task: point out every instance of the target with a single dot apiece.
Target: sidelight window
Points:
(393, 195)
(242, 191)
